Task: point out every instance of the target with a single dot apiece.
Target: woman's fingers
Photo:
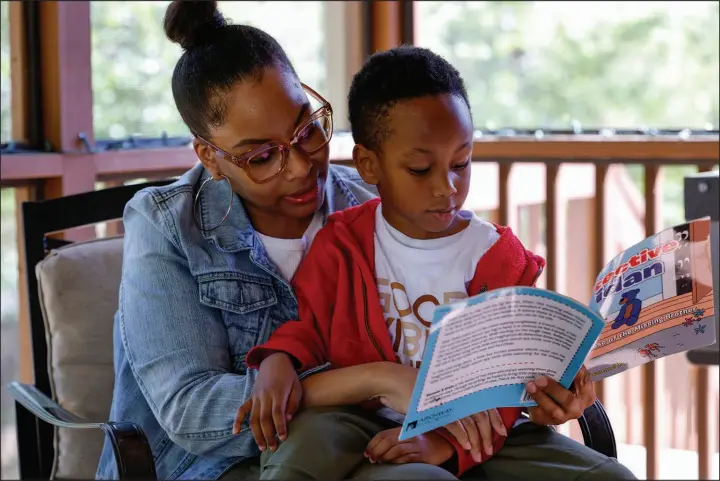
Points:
(497, 423)
(474, 438)
(482, 421)
(458, 431)
(241, 415)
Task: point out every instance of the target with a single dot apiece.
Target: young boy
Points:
(368, 285)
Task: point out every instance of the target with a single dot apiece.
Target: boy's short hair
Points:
(388, 77)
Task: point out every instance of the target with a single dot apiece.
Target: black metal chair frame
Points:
(37, 414)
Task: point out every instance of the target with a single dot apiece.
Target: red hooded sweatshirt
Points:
(340, 315)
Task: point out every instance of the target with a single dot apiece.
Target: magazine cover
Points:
(656, 299)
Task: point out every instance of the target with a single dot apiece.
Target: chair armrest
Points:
(132, 452)
(597, 431)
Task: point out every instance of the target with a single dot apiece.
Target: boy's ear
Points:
(208, 158)
(367, 164)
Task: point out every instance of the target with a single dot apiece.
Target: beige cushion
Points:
(78, 287)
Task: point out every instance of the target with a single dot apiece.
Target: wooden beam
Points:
(655, 150)
(18, 72)
(65, 60)
(30, 166)
(67, 78)
(386, 24)
(652, 397)
(702, 421)
(552, 212)
(25, 357)
(144, 161)
(702, 152)
(598, 237)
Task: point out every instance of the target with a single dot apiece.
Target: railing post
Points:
(651, 395)
(601, 171)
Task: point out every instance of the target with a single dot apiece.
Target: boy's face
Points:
(422, 170)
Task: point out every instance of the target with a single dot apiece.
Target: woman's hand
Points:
(276, 398)
(428, 448)
(476, 432)
(557, 405)
(395, 384)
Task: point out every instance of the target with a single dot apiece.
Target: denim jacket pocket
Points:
(244, 301)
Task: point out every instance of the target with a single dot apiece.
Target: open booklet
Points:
(653, 300)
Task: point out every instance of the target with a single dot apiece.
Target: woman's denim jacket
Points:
(191, 305)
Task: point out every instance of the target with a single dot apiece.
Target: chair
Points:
(72, 292)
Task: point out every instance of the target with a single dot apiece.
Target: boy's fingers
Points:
(497, 423)
(381, 443)
(278, 415)
(408, 458)
(241, 415)
(551, 412)
(255, 426)
(293, 403)
(267, 427)
(397, 451)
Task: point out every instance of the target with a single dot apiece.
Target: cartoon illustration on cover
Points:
(630, 309)
(656, 299)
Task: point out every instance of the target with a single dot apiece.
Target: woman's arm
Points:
(177, 348)
(390, 383)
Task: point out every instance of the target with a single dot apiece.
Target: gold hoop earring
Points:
(197, 196)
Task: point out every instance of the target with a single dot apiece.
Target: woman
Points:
(207, 259)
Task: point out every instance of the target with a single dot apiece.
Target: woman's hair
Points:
(216, 56)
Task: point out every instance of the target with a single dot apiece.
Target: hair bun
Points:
(191, 23)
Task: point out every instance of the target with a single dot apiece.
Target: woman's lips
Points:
(304, 197)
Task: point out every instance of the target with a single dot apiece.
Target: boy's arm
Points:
(314, 284)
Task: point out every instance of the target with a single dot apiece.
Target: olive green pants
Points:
(328, 443)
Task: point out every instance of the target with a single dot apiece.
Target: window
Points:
(5, 115)
(602, 64)
(9, 327)
(8, 273)
(131, 78)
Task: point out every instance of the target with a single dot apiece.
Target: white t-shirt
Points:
(413, 275)
(286, 254)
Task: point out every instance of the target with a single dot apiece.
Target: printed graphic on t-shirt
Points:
(415, 275)
(408, 320)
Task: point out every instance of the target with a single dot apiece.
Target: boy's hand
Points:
(275, 399)
(476, 432)
(429, 448)
(557, 405)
